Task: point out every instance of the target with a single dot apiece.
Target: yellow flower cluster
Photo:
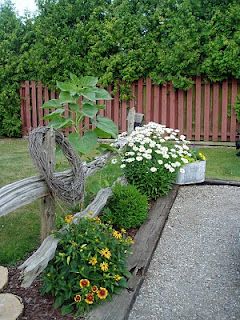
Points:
(117, 234)
(104, 266)
(201, 156)
(93, 261)
(105, 253)
(117, 277)
(68, 218)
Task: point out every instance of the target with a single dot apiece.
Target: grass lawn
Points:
(222, 163)
(20, 230)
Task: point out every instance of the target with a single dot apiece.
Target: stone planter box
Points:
(194, 173)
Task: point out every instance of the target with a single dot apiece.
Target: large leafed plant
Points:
(81, 95)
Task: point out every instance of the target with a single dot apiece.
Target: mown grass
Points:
(20, 230)
(222, 163)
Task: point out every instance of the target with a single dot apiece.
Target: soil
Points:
(36, 306)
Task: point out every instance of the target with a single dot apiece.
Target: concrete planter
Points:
(194, 173)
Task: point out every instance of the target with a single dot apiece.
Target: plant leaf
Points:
(67, 86)
(66, 97)
(66, 309)
(88, 142)
(54, 103)
(74, 107)
(102, 134)
(84, 144)
(55, 114)
(90, 110)
(61, 123)
(88, 93)
(107, 125)
(88, 81)
(102, 94)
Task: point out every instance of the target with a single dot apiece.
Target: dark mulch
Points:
(36, 306)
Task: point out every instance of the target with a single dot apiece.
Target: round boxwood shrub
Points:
(127, 208)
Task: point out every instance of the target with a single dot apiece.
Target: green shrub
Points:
(89, 265)
(127, 207)
(153, 156)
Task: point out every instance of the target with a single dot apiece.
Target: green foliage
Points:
(11, 30)
(89, 265)
(127, 208)
(118, 42)
(82, 89)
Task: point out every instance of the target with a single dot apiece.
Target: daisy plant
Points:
(152, 158)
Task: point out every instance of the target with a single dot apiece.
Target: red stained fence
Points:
(204, 112)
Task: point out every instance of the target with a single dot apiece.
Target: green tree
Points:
(10, 47)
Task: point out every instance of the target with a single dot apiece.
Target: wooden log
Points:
(146, 241)
(23, 192)
(38, 261)
(48, 202)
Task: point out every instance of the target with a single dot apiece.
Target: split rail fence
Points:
(203, 113)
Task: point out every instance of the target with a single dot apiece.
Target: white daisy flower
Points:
(114, 161)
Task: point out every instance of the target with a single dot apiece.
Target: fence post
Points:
(131, 119)
(48, 203)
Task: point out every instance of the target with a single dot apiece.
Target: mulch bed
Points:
(36, 306)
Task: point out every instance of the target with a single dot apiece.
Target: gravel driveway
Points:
(195, 271)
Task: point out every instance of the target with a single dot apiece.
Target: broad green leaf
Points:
(88, 142)
(102, 94)
(88, 93)
(90, 110)
(55, 114)
(107, 125)
(74, 78)
(74, 138)
(65, 97)
(74, 107)
(84, 144)
(102, 134)
(67, 86)
(54, 103)
(88, 81)
(61, 123)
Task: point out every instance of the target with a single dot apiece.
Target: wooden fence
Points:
(203, 113)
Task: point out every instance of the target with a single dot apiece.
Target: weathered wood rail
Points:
(20, 193)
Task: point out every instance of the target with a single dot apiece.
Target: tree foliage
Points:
(169, 40)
